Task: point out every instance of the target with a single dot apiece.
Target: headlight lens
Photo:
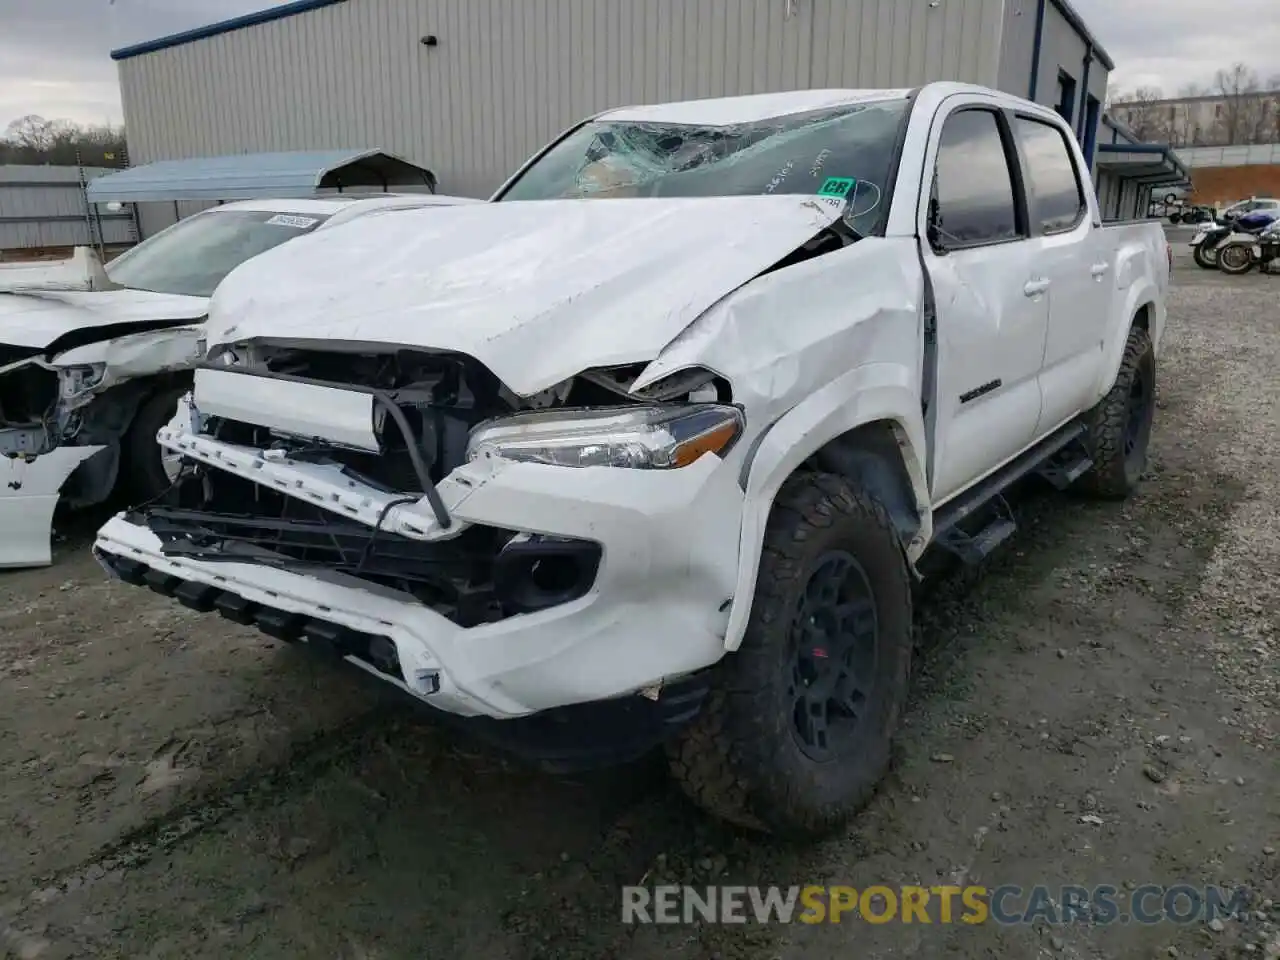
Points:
(645, 438)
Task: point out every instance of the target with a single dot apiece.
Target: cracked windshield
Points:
(844, 152)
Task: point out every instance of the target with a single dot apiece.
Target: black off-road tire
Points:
(1120, 425)
(741, 759)
(144, 473)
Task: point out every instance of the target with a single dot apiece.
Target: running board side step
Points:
(1059, 458)
(973, 548)
(1067, 467)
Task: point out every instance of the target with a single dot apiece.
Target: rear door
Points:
(991, 301)
(1071, 254)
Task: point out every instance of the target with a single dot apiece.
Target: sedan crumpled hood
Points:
(537, 291)
(37, 319)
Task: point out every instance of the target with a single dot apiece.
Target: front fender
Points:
(866, 394)
(139, 354)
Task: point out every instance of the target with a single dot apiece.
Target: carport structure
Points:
(196, 183)
(1129, 171)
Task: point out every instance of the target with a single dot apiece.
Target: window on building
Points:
(974, 198)
(1066, 96)
(1053, 184)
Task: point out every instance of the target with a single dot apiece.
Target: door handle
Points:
(1099, 269)
(1035, 287)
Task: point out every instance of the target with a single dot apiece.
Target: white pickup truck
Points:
(93, 360)
(650, 447)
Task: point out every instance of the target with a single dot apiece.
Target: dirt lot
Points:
(176, 787)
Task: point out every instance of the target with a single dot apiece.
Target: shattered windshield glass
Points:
(844, 151)
(192, 256)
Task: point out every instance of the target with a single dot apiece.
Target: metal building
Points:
(470, 88)
(43, 207)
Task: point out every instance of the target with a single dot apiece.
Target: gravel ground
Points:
(176, 787)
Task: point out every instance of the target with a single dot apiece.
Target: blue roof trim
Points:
(1072, 17)
(278, 12)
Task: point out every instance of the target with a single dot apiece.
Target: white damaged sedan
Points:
(93, 360)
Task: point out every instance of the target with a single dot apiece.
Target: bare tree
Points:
(31, 132)
(33, 139)
(1184, 126)
(1241, 116)
(1143, 113)
(1273, 108)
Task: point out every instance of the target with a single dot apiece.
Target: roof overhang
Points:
(1150, 164)
(250, 176)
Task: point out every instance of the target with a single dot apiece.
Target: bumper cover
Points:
(29, 492)
(657, 610)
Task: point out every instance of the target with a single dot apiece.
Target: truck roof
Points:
(725, 111)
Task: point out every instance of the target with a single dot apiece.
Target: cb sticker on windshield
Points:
(836, 187)
(288, 220)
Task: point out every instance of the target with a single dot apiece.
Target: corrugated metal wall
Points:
(43, 206)
(508, 75)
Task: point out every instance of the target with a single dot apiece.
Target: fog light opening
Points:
(534, 573)
(555, 575)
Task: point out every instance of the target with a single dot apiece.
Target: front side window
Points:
(1055, 192)
(973, 187)
(846, 151)
(194, 255)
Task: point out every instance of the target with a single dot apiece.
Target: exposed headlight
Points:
(224, 354)
(76, 379)
(649, 437)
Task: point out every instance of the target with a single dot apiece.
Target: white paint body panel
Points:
(536, 291)
(304, 410)
(26, 513)
(36, 319)
(43, 302)
(541, 291)
(81, 271)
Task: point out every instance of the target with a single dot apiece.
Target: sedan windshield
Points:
(845, 152)
(192, 256)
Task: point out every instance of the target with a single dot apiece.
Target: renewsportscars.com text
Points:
(1007, 904)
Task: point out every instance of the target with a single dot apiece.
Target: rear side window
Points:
(974, 187)
(1056, 197)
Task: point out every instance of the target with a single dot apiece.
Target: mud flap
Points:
(29, 492)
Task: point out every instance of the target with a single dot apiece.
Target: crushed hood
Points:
(537, 291)
(81, 271)
(36, 319)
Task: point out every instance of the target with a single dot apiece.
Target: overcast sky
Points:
(53, 53)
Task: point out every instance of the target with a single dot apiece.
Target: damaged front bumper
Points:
(57, 412)
(655, 562)
(29, 491)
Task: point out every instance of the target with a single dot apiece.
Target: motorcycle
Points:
(1213, 235)
(1239, 256)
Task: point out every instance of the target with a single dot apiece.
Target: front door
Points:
(990, 299)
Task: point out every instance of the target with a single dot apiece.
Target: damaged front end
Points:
(381, 449)
(418, 480)
(33, 463)
(58, 411)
